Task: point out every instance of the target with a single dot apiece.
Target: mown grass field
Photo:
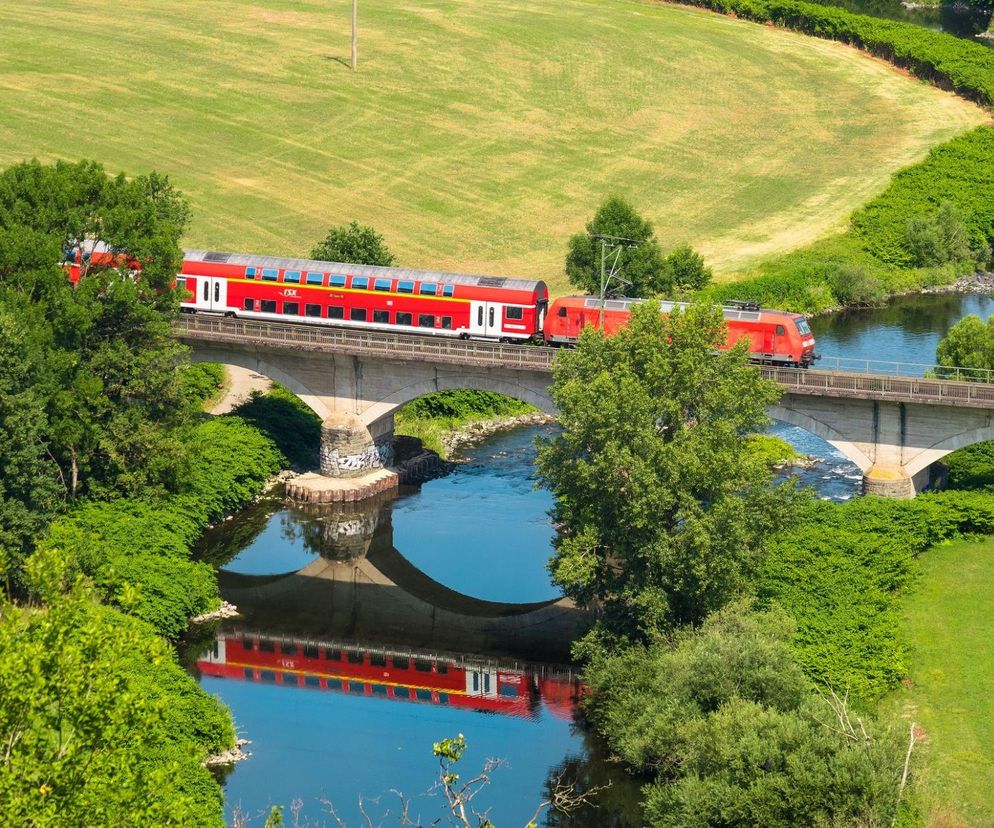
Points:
(477, 135)
(949, 626)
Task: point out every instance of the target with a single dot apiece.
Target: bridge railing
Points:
(881, 367)
(367, 343)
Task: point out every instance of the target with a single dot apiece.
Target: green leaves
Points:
(355, 243)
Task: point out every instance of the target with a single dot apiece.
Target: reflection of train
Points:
(434, 303)
(398, 675)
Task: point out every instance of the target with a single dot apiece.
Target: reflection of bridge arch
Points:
(361, 586)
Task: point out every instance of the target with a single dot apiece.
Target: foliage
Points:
(431, 417)
(93, 719)
(938, 238)
(104, 366)
(282, 417)
(686, 269)
(642, 265)
(661, 507)
(353, 242)
(202, 381)
(969, 344)
(971, 467)
(723, 722)
(771, 451)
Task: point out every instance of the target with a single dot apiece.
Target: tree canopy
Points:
(969, 344)
(661, 504)
(355, 243)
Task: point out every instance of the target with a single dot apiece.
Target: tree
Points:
(686, 268)
(106, 367)
(939, 238)
(661, 505)
(355, 243)
(968, 345)
(641, 265)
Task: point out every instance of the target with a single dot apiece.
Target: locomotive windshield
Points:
(802, 327)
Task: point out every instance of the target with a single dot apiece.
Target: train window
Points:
(207, 287)
(422, 666)
(333, 684)
(802, 327)
(448, 290)
(447, 323)
(356, 687)
(288, 678)
(381, 316)
(426, 320)
(266, 646)
(249, 272)
(382, 284)
(404, 318)
(479, 315)
(401, 663)
(562, 311)
(405, 287)
(291, 308)
(333, 655)
(379, 689)
(377, 660)
(443, 698)
(357, 314)
(336, 281)
(267, 675)
(269, 306)
(422, 695)
(336, 312)
(288, 649)
(247, 643)
(317, 279)
(310, 651)
(514, 313)
(312, 310)
(312, 681)
(249, 304)
(360, 282)
(508, 691)
(249, 673)
(270, 274)
(780, 330)
(355, 657)
(428, 289)
(441, 668)
(292, 276)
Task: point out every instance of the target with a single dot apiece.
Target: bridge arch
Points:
(819, 428)
(940, 449)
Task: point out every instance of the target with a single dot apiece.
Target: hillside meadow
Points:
(475, 136)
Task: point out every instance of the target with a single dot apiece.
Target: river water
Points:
(367, 634)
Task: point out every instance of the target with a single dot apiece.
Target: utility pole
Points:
(616, 243)
(355, 34)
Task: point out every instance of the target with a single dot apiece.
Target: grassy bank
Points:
(948, 626)
(475, 137)
(434, 417)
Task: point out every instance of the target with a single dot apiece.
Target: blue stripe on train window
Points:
(292, 276)
(249, 272)
(382, 284)
(360, 282)
(428, 289)
(405, 287)
(317, 278)
(448, 290)
(270, 274)
(336, 281)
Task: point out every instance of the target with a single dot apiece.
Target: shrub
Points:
(938, 238)
(202, 380)
(686, 268)
(282, 417)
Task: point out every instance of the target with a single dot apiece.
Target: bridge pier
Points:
(351, 449)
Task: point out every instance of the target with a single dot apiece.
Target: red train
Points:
(402, 676)
(438, 304)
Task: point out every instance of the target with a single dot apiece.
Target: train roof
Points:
(372, 271)
(747, 313)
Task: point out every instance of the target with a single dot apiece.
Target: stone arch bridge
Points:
(893, 428)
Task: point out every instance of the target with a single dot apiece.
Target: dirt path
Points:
(241, 383)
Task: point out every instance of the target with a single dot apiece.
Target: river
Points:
(368, 633)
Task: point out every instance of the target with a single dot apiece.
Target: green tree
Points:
(686, 268)
(939, 238)
(970, 345)
(106, 368)
(642, 265)
(355, 243)
(661, 504)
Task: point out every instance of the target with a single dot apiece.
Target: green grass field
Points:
(949, 625)
(477, 135)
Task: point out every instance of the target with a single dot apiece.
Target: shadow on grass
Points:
(288, 422)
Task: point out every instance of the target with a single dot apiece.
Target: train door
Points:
(481, 683)
(485, 318)
(219, 294)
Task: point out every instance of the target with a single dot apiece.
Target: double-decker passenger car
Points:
(774, 337)
(348, 295)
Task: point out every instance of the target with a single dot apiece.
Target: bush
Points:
(971, 467)
(686, 268)
(939, 238)
(202, 380)
(282, 417)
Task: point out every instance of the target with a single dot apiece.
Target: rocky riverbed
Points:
(477, 431)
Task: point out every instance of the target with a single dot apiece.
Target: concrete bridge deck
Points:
(894, 427)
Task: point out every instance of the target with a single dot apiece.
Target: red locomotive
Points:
(402, 676)
(435, 303)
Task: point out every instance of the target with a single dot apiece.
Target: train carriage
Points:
(380, 298)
